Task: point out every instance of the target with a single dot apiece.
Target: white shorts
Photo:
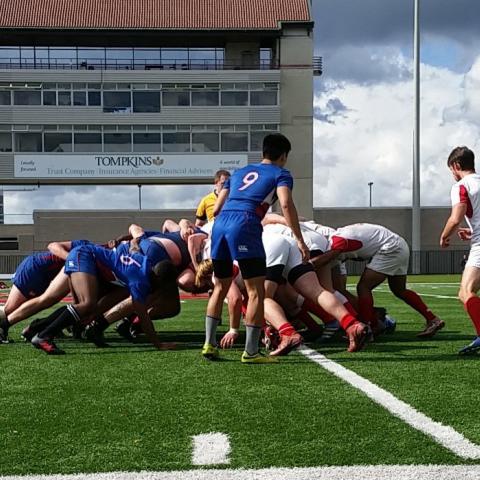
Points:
(393, 262)
(281, 250)
(474, 256)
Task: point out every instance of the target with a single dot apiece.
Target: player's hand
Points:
(464, 234)
(112, 243)
(186, 231)
(134, 246)
(444, 242)
(304, 251)
(229, 339)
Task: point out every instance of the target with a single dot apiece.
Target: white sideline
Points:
(210, 449)
(360, 472)
(445, 435)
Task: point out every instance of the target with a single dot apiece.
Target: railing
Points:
(317, 66)
(118, 64)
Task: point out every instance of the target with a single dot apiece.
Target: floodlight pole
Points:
(370, 184)
(416, 220)
(139, 196)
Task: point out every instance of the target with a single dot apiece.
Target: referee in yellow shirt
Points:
(205, 207)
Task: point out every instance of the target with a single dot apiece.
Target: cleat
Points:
(258, 358)
(287, 344)
(123, 329)
(46, 345)
(390, 324)
(471, 347)
(357, 334)
(210, 352)
(27, 334)
(329, 332)
(94, 334)
(432, 328)
(4, 336)
(271, 338)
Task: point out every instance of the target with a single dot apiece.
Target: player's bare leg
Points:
(467, 294)
(367, 283)
(14, 300)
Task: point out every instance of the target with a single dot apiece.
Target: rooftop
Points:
(152, 14)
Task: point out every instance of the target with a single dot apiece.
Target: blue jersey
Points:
(253, 188)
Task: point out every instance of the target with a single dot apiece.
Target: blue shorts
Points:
(236, 236)
(33, 279)
(81, 259)
(153, 250)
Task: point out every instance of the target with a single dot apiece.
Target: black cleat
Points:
(4, 336)
(123, 329)
(27, 334)
(94, 334)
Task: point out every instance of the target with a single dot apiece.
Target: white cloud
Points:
(371, 137)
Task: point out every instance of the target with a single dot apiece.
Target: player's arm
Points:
(325, 258)
(60, 249)
(234, 297)
(195, 243)
(170, 226)
(201, 214)
(221, 199)
(146, 324)
(456, 216)
(289, 210)
(136, 231)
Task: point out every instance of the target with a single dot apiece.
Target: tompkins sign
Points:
(114, 165)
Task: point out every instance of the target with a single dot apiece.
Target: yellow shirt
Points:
(205, 207)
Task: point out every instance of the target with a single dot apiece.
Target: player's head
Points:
(461, 159)
(276, 148)
(220, 178)
(163, 274)
(203, 276)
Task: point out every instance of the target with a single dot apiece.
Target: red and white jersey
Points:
(363, 240)
(467, 191)
(322, 229)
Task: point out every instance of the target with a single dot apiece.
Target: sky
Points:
(363, 111)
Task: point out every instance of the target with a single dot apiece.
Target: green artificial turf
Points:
(131, 408)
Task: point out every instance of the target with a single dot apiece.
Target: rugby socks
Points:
(68, 317)
(472, 306)
(4, 325)
(413, 299)
(3, 316)
(101, 323)
(317, 310)
(366, 311)
(252, 339)
(39, 324)
(287, 329)
(347, 321)
(308, 321)
(211, 324)
(344, 301)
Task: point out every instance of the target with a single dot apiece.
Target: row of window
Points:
(132, 142)
(138, 101)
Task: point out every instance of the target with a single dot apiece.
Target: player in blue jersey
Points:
(237, 235)
(133, 270)
(34, 278)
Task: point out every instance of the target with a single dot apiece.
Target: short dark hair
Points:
(275, 145)
(219, 174)
(463, 156)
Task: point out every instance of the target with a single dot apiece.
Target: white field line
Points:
(360, 472)
(444, 435)
(211, 449)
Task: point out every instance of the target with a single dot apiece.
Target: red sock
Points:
(347, 320)
(367, 313)
(473, 308)
(317, 310)
(413, 299)
(308, 321)
(286, 329)
(350, 308)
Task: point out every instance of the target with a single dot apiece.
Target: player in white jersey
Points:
(388, 256)
(465, 196)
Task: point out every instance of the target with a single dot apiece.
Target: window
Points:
(49, 98)
(147, 142)
(234, 142)
(235, 98)
(57, 142)
(79, 98)
(94, 99)
(87, 142)
(176, 142)
(64, 99)
(205, 142)
(5, 142)
(116, 102)
(263, 98)
(28, 142)
(117, 142)
(146, 102)
(256, 139)
(176, 99)
(26, 97)
(5, 97)
(204, 99)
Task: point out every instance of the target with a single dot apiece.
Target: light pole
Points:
(370, 185)
(139, 196)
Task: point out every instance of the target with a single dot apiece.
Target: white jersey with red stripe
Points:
(467, 191)
(363, 240)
